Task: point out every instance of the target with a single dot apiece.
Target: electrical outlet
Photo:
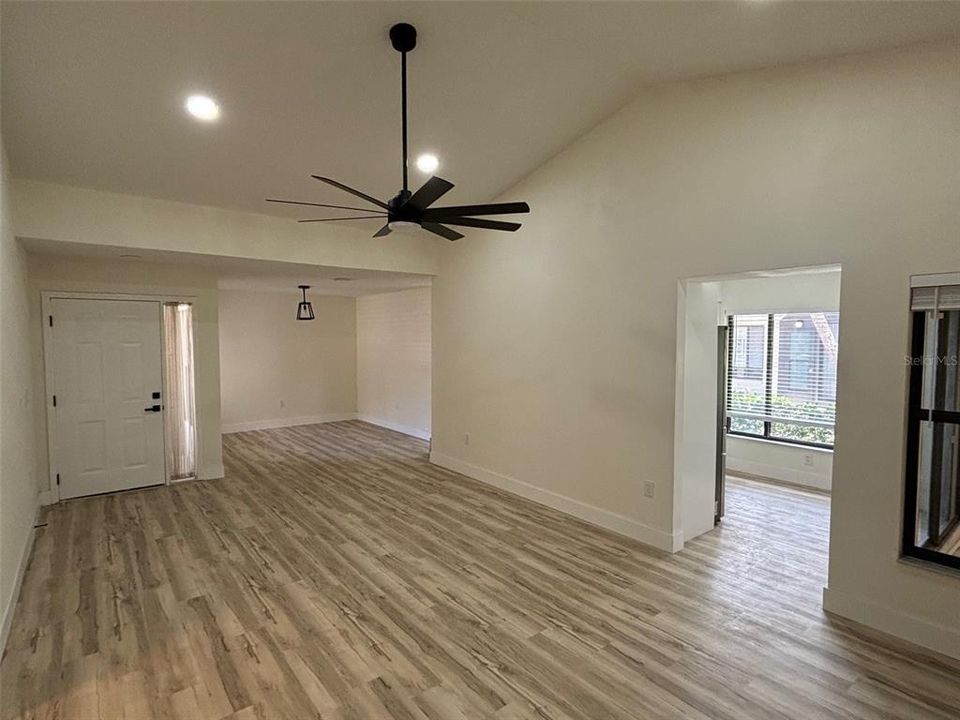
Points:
(466, 438)
(649, 489)
(808, 460)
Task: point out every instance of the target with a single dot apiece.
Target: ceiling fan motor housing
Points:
(400, 210)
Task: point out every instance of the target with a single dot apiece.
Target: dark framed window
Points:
(931, 525)
(782, 379)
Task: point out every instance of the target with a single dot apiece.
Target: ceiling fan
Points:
(408, 210)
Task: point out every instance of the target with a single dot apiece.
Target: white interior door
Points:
(106, 372)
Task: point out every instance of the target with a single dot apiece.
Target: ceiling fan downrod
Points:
(403, 37)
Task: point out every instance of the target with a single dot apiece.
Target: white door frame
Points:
(46, 296)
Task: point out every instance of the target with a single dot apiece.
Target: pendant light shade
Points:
(304, 308)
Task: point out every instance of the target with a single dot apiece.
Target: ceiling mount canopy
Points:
(304, 308)
(407, 211)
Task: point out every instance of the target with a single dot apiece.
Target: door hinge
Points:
(58, 478)
(54, 400)
(51, 321)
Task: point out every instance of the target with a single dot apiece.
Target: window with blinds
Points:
(931, 522)
(782, 376)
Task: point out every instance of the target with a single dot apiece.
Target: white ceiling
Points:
(245, 274)
(92, 92)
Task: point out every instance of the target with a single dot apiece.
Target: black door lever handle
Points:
(152, 408)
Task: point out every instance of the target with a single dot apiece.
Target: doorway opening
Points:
(757, 372)
(777, 381)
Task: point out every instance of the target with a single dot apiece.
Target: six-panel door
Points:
(107, 367)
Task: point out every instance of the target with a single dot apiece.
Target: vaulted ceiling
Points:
(93, 92)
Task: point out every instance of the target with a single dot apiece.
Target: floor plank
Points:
(335, 573)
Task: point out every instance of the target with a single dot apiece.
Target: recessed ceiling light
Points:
(342, 279)
(202, 108)
(129, 256)
(427, 163)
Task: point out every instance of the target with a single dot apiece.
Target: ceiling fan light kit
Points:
(408, 211)
(404, 226)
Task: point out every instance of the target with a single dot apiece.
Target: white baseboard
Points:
(286, 422)
(595, 516)
(12, 602)
(390, 425)
(942, 639)
(732, 472)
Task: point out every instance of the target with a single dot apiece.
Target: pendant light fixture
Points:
(304, 308)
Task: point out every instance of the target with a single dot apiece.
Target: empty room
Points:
(480, 360)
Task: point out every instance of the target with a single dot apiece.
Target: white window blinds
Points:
(782, 375)
(947, 297)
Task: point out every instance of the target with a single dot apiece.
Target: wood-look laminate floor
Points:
(334, 573)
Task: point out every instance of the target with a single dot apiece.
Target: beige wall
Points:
(807, 466)
(555, 347)
(276, 370)
(393, 360)
(196, 285)
(18, 444)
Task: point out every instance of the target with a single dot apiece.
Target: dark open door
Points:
(722, 420)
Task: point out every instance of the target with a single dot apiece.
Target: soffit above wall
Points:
(282, 278)
(68, 218)
(240, 273)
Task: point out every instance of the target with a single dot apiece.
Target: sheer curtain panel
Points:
(179, 404)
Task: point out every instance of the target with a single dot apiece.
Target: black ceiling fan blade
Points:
(431, 191)
(461, 210)
(442, 231)
(385, 230)
(347, 188)
(352, 217)
(481, 223)
(323, 205)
